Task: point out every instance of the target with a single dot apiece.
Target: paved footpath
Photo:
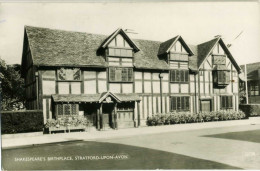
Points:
(97, 135)
(196, 143)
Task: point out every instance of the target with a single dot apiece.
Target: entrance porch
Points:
(102, 111)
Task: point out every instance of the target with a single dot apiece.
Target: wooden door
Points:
(107, 114)
(206, 105)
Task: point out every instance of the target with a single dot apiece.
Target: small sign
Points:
(108, 100)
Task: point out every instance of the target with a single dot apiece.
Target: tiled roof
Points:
(64, 48)
(204, 49)
(193, 60)
(123, 97)
(51, 47)
(164, 46)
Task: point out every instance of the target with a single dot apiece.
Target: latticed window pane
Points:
(112, 74)
(183, 103)
(173, 75)
(74, 109)
(121, 74)
(173, 103)
(187, 101)
(124, 74)
(130, 74)
(76, 75)
(62, 74)
(230, 102)
(177, 75)
(118, 74)
(186, 76)
(67, 109)
(60, 109)
(69, 74)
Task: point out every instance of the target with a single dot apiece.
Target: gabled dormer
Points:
(119, 51)
(176, 52)
(220, 55)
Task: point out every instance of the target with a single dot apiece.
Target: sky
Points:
(196, 22)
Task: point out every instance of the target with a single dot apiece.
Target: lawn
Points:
(251, 136)
(136, 158)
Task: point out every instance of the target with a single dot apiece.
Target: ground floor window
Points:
(67, 109)
(226, 102)
(181, 103)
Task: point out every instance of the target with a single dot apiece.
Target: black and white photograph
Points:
(130, 85)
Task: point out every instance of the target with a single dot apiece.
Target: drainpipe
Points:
(246, 84)
(195, 93)
(161, 77)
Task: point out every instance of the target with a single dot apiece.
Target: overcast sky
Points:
(196, 22)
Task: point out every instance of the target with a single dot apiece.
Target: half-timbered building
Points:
(117, 82)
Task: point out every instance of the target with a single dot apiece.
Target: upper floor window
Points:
(221, 77)
(120, 52)
(69, 74)
(179, 57)
(120, 74)
(179, 76)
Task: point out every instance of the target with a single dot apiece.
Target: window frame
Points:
(72, 113)
(181, 105)
(180, 72)
(67, 80)
(120, 81)
(227, 103)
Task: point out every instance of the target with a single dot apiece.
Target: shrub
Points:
(21, 121)
(185, 117)
(67, 121)
(250, 109)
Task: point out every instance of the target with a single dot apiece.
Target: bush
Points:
(186, 117)
(250, 109)
(67, 121)
(21, 121)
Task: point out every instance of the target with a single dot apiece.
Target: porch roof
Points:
(123, 97)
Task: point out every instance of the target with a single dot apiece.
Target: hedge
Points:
(250, 109)
(21, 121)
(186, 117)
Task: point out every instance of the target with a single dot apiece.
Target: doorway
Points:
(205, 105)
(107, 110)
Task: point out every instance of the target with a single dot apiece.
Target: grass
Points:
(251, 136)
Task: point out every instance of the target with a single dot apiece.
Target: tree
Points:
(12, 86)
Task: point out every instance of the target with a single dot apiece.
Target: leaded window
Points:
(69, 74)
(179, 76)
(120, 74)
(67, 109)
(226, 102)
(180, 103)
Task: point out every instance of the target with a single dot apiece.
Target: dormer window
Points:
(178, 60)
(221, 75)
(119, 47)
